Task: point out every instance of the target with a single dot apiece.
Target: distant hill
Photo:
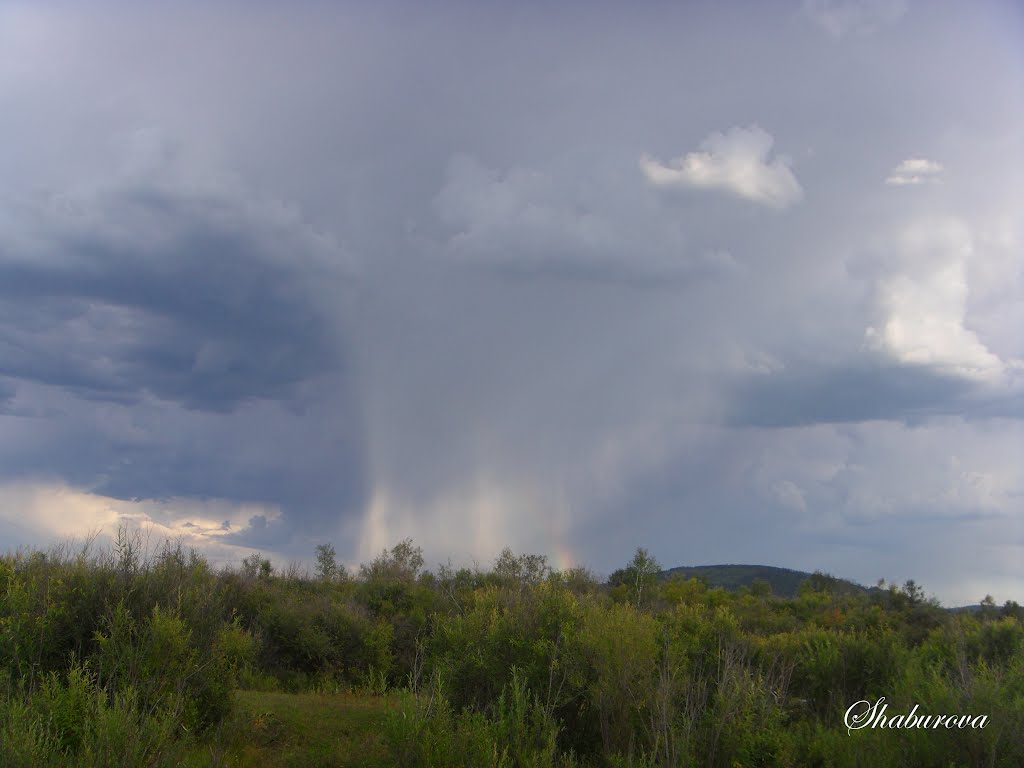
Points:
(784, 582)
(966, 609)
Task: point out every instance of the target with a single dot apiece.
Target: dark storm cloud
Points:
(305, 456)
(165, 336)
(154, 293)
(1007, 406)
(865, 391)
(261, 533)
(7, 390)
(262, 453)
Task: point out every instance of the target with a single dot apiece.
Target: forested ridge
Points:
(134, 656)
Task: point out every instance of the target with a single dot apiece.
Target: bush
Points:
(424, 732)
(73, 722)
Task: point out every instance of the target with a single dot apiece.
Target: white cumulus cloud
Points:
(915, 170)
(736, 162)
(924, 303)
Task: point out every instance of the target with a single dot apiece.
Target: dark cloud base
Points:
(846, 394)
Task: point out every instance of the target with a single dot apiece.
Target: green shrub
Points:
(73, 722)
(424, 732)
(524, 727)
(615, 653)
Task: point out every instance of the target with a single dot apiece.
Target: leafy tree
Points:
(914, 592)
(819, 581)
(1012, 608)
(616, 650)
(402, 563)
(326, 564)
(640, 577)
(525, 570)
(256, 566)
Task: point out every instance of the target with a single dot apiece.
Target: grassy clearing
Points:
(298, 730)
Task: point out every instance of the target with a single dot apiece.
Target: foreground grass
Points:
(293, 730)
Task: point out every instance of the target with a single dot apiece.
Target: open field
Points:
(298, 730)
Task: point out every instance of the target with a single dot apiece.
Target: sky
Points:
(735, 282)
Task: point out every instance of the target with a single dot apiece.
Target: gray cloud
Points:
(7, 392)
(857, 392)
(589, 217)
(146, 291)
(416, 282)
(204, 324)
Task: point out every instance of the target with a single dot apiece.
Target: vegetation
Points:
(783, 582)
(126, 658)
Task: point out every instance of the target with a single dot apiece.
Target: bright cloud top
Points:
(915, 170)
(43, 510)
(924, 303)
(735, 162)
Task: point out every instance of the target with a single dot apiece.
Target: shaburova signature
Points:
(867, 714)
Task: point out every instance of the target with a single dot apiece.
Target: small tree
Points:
(326, 564)
(640, 577)
(525, 569)
(819, 581)
(914, 593)
(402, 563)
(256, 566)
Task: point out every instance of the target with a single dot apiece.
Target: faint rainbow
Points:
(564, 558)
